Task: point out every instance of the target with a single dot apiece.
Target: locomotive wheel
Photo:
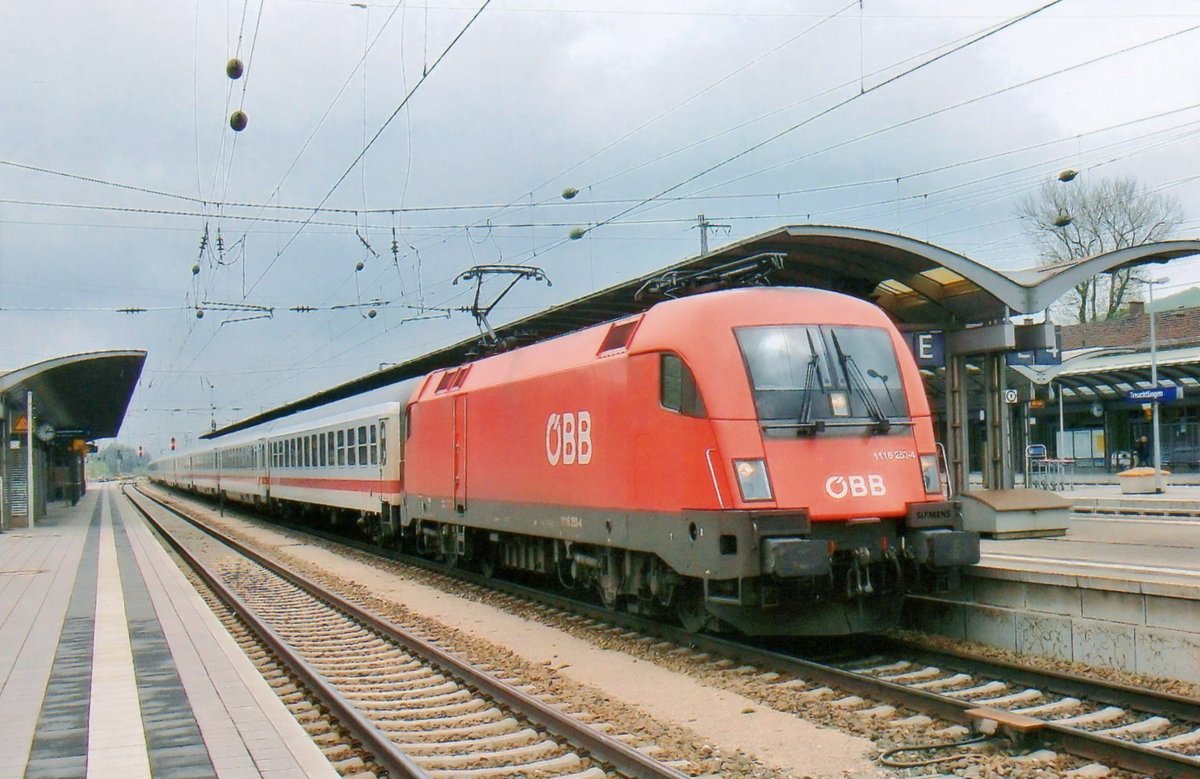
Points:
(487, 560)
(608, 583)
(689, 607)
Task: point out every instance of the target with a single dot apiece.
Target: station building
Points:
(50, 415)
(1080, 409)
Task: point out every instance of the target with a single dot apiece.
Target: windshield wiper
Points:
(805, 424)
(858, 384)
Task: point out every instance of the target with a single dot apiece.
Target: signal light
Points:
(172, 443)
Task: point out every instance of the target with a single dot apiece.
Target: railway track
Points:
(896, 684)
(417, 710)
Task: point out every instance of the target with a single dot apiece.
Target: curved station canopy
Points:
(81, 395)
(921, 285)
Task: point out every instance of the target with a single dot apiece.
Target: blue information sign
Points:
(1037, 356)
(928, 347)
(1160, 394)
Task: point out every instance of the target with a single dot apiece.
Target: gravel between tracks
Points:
(718, 731)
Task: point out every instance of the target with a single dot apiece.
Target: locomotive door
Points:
(460, 453)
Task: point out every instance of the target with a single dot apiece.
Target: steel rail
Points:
(1127, 755)
(600, 746)
(381, 747)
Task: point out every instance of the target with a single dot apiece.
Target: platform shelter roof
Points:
(921, 285)
(80, 395)
(1110, 373)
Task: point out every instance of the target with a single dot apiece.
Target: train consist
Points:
(761, 459)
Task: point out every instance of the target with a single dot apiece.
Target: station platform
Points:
(112, 665)
(1121, 589)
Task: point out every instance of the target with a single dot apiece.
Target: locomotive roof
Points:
(917, 283)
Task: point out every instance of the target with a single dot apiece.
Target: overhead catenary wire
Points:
(408, 96)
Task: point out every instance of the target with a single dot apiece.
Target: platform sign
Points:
(1037, 356)
(929, 348)
(1159, 394)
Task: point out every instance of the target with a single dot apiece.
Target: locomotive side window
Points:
(803, 373)
(351, 457)
(677, 387)
(362, 445)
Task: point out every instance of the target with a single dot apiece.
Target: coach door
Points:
(460, 453)
(384, 487)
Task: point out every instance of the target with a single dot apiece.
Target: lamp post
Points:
(1154, 383)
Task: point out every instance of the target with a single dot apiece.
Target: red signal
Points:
(172, 443)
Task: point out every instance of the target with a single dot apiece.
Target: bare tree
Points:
(1072, 220)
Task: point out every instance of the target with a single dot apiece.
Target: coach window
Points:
(351, 453)
(677, 388)
(362, 445)
(341, 447)
(330, 448)
(320, 455)
(382, 442)
(316, 452)
(374, 446)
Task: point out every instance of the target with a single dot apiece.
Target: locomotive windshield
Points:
(811, 375)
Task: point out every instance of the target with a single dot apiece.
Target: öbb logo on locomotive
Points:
(855, 484)
(569, 438)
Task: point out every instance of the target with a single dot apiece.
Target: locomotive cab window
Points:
(677, 387)
(810, 375)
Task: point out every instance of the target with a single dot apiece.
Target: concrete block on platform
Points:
(1043, 635)
(994, 627)
(1104, 644)
(1054, 599)
(1016, 513)
(1000, 592)
(1112, 606)
(1169, 653)
(1173, 614)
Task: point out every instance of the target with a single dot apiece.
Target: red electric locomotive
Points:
(761, 458)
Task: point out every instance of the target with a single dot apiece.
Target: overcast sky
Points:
(117, 161)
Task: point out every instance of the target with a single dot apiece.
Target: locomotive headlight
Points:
(753, 480)
(839, 403)
(929, 472)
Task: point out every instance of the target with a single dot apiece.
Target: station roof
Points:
(81, 395)
(921, 285)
